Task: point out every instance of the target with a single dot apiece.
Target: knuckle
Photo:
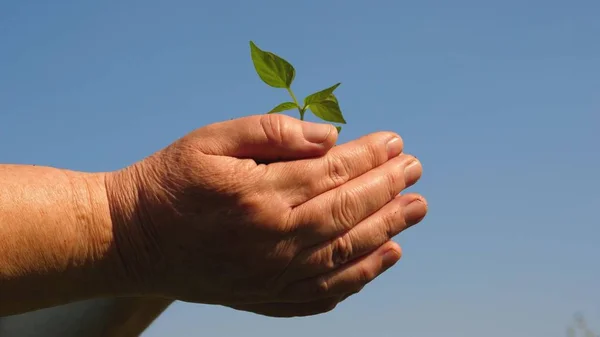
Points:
(389, 223)
(365, 275)
(274, 126)
(337, 171)
(376, 153)
(322, 286)
(342, 211)
(341, 250)
(322, 258)
(394, 180)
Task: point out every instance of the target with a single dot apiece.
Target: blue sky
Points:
(499, 100)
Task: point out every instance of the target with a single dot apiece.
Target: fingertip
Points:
(414, 210)
(392, 253)
(323, 135)
(319, 138)
(408, 198)
(383, 146)
(316, 133)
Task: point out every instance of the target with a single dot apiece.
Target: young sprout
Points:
(279, 73)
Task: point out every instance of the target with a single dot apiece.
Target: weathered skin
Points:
(261, 214)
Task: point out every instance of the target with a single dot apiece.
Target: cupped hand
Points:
(263, 214)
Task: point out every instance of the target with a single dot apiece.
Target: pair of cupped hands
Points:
(263, 214)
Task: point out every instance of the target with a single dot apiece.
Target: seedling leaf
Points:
(283, 107)
(272, 69)
(332, 98)
(328, 110)
(320, 96)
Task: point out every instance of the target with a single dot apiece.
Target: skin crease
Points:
(246, 213)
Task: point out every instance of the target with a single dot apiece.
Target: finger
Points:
(291, 309)
(398, 215)
(303, 180)
(267, 137)
(347, 279)
(337, 211)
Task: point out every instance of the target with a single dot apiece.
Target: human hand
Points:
(217, 217)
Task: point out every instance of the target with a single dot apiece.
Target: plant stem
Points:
(300, 110)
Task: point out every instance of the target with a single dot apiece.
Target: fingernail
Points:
(412, 172)
(414, 212)
(390, 257)
(315, 132)
(394, 147)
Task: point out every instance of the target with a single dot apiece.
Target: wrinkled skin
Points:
(264, 220)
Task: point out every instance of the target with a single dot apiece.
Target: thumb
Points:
(267, 137)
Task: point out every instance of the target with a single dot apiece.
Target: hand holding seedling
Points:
(279, 73)
(204, 220)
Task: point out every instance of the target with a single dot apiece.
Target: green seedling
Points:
(279, 73)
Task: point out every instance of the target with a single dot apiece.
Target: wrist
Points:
(135, 252)
(96, 252)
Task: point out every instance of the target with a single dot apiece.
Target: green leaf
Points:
(272, 69)
(320, 96)
(283, 107)
(332, 98)
(328, 110)
(339, 128)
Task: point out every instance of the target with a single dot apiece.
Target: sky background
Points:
(500, 100)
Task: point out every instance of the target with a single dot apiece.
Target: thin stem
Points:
(300, 110)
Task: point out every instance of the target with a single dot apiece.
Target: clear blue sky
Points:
(499, 99)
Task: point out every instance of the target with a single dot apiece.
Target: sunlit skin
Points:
(260, 213)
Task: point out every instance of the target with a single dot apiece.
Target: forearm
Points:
(55, 237)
